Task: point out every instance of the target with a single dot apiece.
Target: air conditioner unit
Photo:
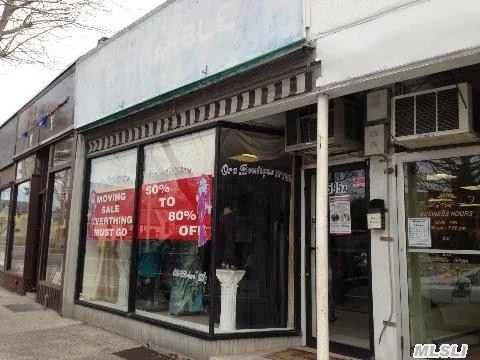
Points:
(442, 116)
(345, 128)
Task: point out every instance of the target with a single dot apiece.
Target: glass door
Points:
(349, 261)
(440, 219)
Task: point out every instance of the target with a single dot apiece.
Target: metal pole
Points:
(321, 242)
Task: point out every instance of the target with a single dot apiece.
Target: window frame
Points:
(130, 313)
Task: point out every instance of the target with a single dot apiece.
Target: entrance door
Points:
(349, 261)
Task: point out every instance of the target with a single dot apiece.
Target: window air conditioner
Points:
(442, 116)
(345, 128)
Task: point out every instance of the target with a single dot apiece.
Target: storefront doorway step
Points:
(300, 353)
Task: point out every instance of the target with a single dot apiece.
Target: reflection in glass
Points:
(109, 230)
(4, 213)
(349, 267)
(253, 234)
(58, 226)
(20, 228)
(62, 152)
(26, 167)
(7, 175)
(444, 260)
(175, 230)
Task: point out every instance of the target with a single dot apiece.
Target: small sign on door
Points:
(419, 233)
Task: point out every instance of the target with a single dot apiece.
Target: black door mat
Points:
(16, 308)
(143, 353)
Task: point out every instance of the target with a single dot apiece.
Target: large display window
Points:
(109, 230)
(442, 206)
(5, 196)
(20, 227)
(57, 238)
(175, 229)
(253, 230)
(206, 205)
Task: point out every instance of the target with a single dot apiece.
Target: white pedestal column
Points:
(123, 265)
(229, 280)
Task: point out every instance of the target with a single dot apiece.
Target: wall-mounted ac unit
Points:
(345, 128)
(442, 116)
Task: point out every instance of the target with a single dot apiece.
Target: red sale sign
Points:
(110, 215)
(177, 210)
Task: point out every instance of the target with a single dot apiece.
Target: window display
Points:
(175, 230)
(252, 239)
(20, 227)
(4, 215)
(58, 226)
(174, 223)
(442, 205)
(109, 230)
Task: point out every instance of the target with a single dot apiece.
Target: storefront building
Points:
(37, 152)
(203, 226)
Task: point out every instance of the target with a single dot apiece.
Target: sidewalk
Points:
(27, 331)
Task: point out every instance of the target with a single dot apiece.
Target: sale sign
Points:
(177, 210)
(110, 215)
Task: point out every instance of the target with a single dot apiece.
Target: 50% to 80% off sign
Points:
(173, 216)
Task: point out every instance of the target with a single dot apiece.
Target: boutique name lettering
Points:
(184, 274)
(245, 170)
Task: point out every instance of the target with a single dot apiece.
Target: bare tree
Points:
(27, 25)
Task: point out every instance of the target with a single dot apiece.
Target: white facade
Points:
(178, 44)
(375, 43)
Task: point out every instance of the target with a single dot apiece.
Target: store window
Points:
(26, 167)
(109, 230)
(62, 152)
(175, 230)
(4, 217)
(58, 226)
(442, 203)
(7, 175)
(254, 192)
(20, 227)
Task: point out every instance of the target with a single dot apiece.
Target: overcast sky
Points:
(18, 84)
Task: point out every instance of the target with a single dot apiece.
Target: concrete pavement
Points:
(27, 331)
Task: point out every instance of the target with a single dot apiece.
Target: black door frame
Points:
(335, 347)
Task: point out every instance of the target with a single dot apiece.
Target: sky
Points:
(20, 83)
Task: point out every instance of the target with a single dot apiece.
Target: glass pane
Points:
(109, 230)
(25, 167)
(20, 229)
(62, 152)
(4, 213)
(175, 229)
(7, 175)
(442, 202)
(253, 234)
(349, 243)
(58, 226)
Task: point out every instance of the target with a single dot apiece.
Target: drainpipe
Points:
(321, 243)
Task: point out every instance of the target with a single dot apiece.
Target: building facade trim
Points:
(267, 94)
